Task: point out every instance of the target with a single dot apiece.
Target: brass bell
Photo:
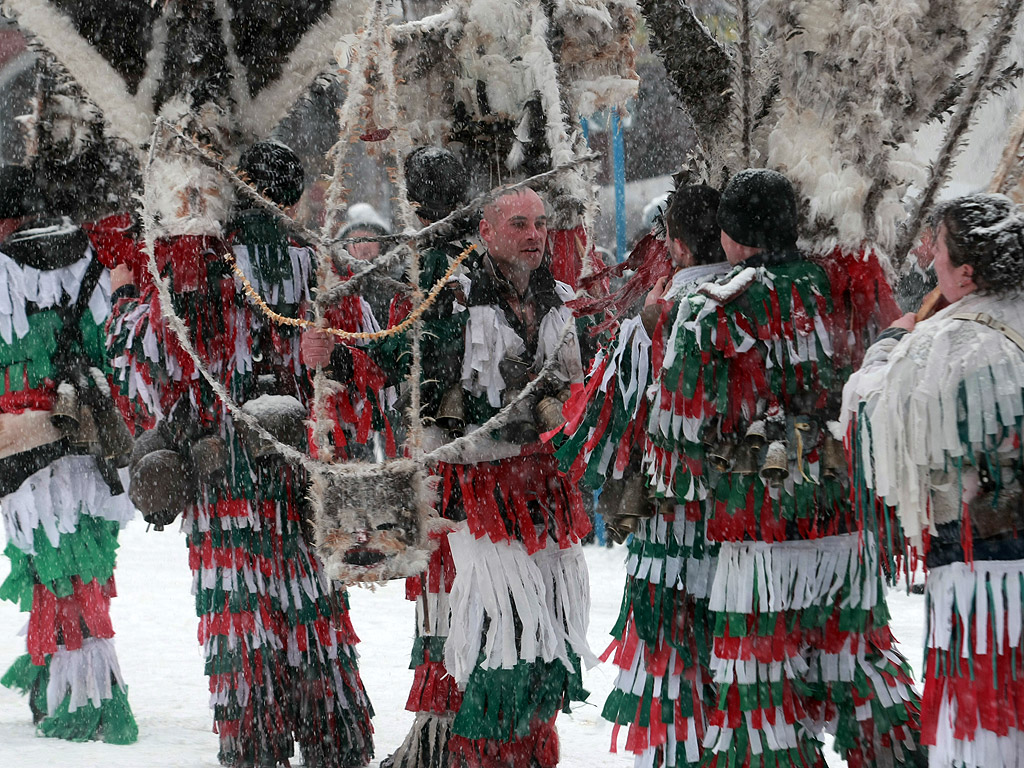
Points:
(520, 427)
(634, 502)
(721, 455)
(833, 457)
(775, 469)
(618, 529)
(88, 436)
(210, 458)
(745, 460)
(757, 435)
(159, 487)
(549, 413)
(451, 415)
(115, 438)
(65, 412)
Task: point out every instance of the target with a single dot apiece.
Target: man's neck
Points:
(517, 278)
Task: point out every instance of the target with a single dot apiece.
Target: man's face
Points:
(515, 229)
(365, 251)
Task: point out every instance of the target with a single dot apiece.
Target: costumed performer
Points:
(934, 419)
(275, 632)
(662, 636)
(61, 439)
(740, 417)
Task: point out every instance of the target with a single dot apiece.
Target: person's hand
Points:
(316, 347)
(120, 276)
(907, 322)
(657, 292)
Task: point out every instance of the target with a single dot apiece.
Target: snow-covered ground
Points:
(156, 641)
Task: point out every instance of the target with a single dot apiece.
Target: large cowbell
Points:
(372, 522)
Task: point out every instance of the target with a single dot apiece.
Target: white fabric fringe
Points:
(953, 590)
(55, 496)
(85, 674)
(986, 750)
(548, 592)
(793, 575)
(21, 284)
(489, 340)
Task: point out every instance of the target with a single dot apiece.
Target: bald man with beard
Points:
(502, 610)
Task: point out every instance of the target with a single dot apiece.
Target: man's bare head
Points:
(515, 230)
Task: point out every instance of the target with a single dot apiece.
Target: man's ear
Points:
(486, 230)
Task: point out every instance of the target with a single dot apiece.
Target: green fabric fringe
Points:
(500, 704)
(89, 553)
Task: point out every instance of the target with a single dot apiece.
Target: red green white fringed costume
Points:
(275, 631)
(62, 524)
(502, 609)
(800, 630)
(925, 415)
(662, 636)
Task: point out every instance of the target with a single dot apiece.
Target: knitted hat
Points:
(364, 216)
(275, 170)
(758, 209)
(436, 180)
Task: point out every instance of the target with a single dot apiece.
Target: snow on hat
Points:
(436, 180)
(758, 209)
(364, 216)
(275, 170)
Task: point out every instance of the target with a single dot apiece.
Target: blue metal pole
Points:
(619, 166)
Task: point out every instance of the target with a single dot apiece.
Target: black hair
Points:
(692, 217)
(987, 232)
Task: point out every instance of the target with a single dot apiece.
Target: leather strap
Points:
(991, 322)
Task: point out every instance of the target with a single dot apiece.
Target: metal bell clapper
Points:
(451, 414)
(775, 469)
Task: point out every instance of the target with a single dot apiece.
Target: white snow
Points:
(155, 622)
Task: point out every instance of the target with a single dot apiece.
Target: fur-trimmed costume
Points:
(62, 520)
(278, 642)
(502, 609)
(934, 423)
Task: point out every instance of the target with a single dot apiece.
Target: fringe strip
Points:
(55, 496)
(758, 577)
(547, 595)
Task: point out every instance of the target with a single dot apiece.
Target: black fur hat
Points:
(275, 170)
(436, 180)
(758, 209)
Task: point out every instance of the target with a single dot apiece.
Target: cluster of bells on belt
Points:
(166, 474)
(528, 418)
(94, 427)
(771, 459)
(624, 503)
